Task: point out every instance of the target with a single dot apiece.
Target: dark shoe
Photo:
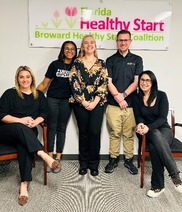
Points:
(94, 172)
(113, 163)
(177, 182)
(82, 171)
(130, 166)
(58, 169)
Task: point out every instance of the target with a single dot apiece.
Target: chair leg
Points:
(142, 171)
(45, 150)
(45, 173)
(143, 155)
(139, 156)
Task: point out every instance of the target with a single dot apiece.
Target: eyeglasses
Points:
(145, 80)
(68, 49)
(123, 40)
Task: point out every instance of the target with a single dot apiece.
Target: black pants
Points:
(159, 141)
(89, 125)
(59, 114)
(25, 139)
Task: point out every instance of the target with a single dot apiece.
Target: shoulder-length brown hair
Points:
(32, 86)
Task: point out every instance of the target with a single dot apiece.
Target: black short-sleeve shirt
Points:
(59, 88)
(122, 70)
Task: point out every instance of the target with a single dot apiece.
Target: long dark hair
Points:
(154, 88)
(61, 55)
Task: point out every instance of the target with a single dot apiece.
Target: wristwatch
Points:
(125, 94)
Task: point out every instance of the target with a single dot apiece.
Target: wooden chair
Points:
(143, 151)
(8, 153)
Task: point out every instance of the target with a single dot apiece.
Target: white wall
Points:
(14, 51)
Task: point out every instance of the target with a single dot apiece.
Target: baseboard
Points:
(102, 157)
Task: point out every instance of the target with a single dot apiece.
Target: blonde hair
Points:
(32, 86)
(82, 52)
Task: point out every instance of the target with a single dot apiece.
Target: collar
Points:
(119, 54)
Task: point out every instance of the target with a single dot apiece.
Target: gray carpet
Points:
(69, 192)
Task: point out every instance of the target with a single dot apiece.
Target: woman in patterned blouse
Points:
(88, 79)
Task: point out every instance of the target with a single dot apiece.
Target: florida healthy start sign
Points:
(53, 22)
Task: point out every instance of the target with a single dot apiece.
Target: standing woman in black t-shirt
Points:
(58, 94)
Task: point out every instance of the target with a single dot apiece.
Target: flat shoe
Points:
(55, 165)
(57, 170)
(22, 200)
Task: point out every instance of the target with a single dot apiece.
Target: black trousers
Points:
(89, 125)
(59, 114)
(159, 141)
(25, 139)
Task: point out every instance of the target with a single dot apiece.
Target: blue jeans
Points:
(159, 141)
(58, 116)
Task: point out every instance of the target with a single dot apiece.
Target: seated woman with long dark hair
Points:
(151, 109)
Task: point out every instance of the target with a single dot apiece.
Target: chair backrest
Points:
(176, 146)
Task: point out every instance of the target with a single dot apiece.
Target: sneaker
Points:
(113, 163)
(155, 192)
(57, 170)
(177, 182)
(130, 166)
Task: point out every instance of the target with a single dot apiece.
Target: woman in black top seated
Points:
(21, 109)
(151, 108)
